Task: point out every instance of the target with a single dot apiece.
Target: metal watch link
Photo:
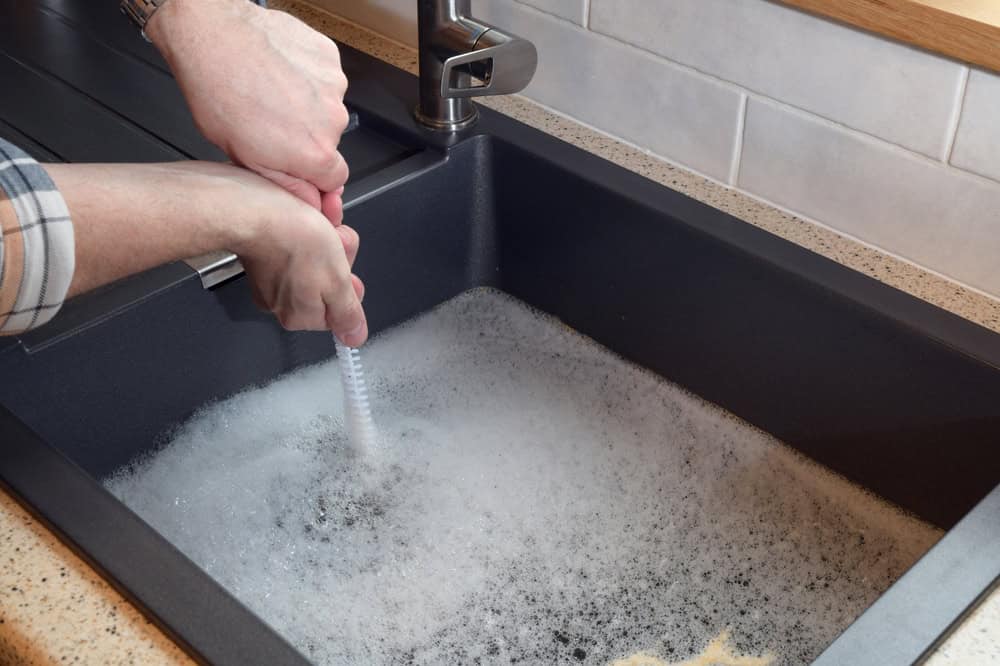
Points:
(140, 11)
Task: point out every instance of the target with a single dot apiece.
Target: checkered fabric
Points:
(36, 247)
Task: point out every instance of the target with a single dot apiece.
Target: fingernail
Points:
(354, 336)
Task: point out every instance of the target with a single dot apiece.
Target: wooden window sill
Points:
(966, 30)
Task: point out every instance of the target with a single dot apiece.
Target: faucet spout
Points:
(462, 57)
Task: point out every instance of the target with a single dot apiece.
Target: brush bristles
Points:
(357, 409)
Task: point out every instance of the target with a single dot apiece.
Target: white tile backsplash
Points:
(567, 9)
(936, 216)
(667, 109)
(977, 145)
(832, 118)
(875, 85)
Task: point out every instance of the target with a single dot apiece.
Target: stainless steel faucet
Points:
(462, 57)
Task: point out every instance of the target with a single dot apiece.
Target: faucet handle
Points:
(504, 63)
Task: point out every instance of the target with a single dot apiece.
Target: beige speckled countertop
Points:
(54, 609)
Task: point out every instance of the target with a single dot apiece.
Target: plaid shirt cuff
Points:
(36, 247)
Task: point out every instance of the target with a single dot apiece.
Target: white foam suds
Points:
(534, 499)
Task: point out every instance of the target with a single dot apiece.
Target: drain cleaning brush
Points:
(357, 411)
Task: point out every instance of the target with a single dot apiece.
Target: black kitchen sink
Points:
(895, 394)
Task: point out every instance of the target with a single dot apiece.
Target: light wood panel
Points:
(968, 30)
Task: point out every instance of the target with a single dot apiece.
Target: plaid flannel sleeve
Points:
(36, 247)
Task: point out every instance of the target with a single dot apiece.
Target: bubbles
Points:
(533, 499)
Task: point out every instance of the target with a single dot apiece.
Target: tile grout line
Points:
(741, 129)
(618, 139)
(956, 115)
(872, 140)
(524, 4)
(689, 69)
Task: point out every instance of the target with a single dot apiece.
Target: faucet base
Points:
(440, 125)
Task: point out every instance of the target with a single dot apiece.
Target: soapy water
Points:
(533, 499)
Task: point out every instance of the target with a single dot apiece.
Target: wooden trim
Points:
(967, 30)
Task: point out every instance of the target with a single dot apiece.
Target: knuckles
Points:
(349, 237)
(323, 154)
(340, 118)
(338, 86)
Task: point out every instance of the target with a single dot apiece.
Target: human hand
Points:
(265, 88)
(130, 217)
(299, 265)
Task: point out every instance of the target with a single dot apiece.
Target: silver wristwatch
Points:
(140, 11)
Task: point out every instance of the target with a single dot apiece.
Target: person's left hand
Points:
(264, 87)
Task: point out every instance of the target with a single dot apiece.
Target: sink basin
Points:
(888, 391)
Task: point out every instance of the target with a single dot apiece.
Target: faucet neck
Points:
(461, 57)
(441, 34)
(443, 10)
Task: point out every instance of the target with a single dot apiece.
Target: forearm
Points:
(128, 218)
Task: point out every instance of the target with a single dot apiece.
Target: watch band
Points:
(140, 11)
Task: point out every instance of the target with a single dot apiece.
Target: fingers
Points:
(338, 309)
(351, 241)
(300, 188)
(324, 190)
(359, 287)
(323, 166)
(345, 317)
(333, 205)
(303, 319)
(317, 159)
